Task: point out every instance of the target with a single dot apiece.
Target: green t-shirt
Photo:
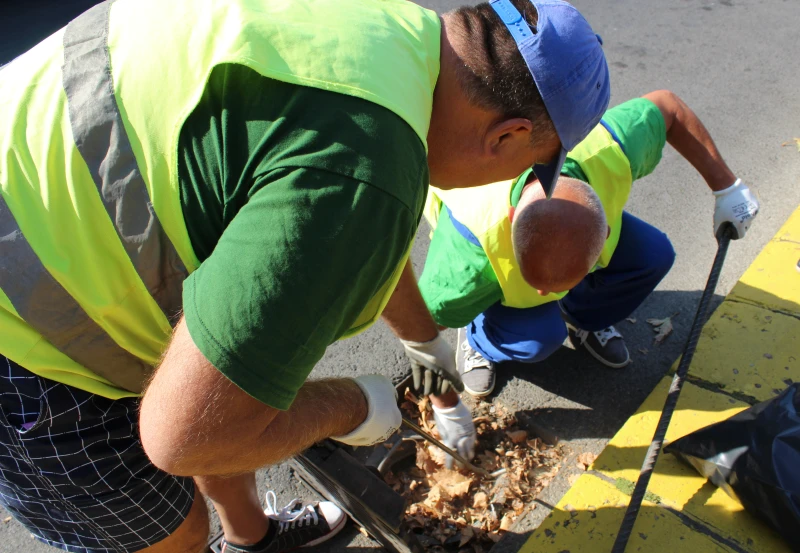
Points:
(458, 282)
(299, 203)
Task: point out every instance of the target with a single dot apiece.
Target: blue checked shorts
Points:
(73, 471)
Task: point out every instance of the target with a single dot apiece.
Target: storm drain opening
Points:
(403, 496)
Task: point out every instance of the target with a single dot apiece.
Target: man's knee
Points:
(661, 256)
(543, 346)
(191, 536)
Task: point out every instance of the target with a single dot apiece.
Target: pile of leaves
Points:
(459, 510)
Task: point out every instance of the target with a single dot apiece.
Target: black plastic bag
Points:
(755, 457)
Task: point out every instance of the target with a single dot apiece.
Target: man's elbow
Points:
(167, 448)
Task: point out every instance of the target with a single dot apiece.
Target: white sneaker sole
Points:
(335, 530)
(473, 393)
(605, 361)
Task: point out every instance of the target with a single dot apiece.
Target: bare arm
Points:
(406, 313)
(194, 421)
(409, 318)
(686, 133)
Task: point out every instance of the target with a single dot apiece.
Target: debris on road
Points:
(662, 328)
(453, 510)
(586, 459)
(795, 141)
(631, 320)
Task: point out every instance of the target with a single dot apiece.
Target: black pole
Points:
(653, 451)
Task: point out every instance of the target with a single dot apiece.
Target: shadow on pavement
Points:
(574, 397)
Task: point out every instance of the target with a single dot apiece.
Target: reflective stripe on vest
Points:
(104, 145)
(93, 247)
(34, 293)
(39, 298)
(608, 171)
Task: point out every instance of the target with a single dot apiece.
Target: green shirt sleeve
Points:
(640, 128)
(458, 282)
(299, 203)
(289, 276)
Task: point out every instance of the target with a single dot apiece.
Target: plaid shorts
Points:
(73, 471)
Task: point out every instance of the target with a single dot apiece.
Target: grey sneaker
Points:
(607, 345)
(477, 372)
(296, 525)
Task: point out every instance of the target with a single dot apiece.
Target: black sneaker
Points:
(296, 525)
(607, 345)
(477, 372)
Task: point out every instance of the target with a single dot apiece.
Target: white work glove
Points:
(735, 205)
(433, 366)
(457, 430)
(383, 417)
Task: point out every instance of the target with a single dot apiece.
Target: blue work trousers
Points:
(644, 255)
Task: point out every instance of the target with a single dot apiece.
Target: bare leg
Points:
(191, 536)
(236, 501)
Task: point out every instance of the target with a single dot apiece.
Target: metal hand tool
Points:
(446, 449)
(723, 240)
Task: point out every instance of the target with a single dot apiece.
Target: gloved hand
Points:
(433, 366)
(735, 205)
(457, 430)
(383, 417)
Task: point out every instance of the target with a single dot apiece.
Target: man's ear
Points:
(511, 210)
(507, 136)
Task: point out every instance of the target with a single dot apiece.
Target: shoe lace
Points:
(473, 359)
(603, 336)
(290, 517)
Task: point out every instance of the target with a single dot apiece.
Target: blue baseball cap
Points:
(566, 60)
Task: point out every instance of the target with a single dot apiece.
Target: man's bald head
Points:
(558, 241)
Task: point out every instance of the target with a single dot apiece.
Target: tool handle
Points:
(446, 449)
(727, 232)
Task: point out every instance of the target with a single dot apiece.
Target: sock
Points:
(262, 543)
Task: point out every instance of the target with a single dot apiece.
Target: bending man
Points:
(202, 185)
(508, 311)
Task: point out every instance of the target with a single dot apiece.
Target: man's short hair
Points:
(495, 74)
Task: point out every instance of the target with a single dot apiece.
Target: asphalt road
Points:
(736, 64)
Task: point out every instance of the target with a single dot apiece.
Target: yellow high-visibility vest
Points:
(93, 245)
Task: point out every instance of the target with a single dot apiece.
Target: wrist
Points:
(358, 408)
(458, 409)
(721, 189)
(417, 343)
(445, 401)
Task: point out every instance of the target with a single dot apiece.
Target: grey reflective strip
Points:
(104, 145)
(47, 307)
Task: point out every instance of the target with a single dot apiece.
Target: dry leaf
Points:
(631, 320)
(506, 523)
(423, 404)
(795, 140)
(643, 351)
(480, 500)
(494, 536)
(662, 327)
(436, 497)
(437, 455)
(586, 459)
(7, 519)
(452, 507)
(452, 482)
